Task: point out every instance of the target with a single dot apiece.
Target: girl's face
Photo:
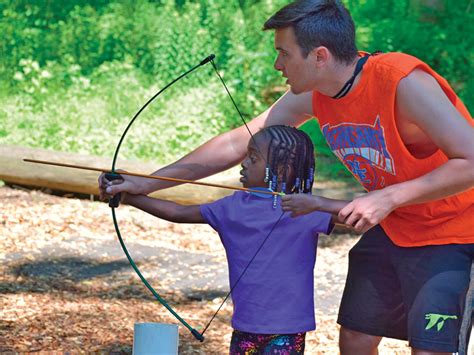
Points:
(253, 165)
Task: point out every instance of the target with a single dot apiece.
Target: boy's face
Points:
(301, 72)
(253, 165)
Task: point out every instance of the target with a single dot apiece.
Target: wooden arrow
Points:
(45, 162)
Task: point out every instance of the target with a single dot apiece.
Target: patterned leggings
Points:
(243, 343)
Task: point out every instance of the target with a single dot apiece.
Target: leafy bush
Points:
(438, 35)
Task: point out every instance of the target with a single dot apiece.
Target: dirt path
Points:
(65, 284)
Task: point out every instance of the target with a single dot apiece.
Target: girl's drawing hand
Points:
(299, 204)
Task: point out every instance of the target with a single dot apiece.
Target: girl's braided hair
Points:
(290, 159)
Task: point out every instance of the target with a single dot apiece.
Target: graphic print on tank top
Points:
(362, 148)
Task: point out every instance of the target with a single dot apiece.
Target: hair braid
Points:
(290, 159)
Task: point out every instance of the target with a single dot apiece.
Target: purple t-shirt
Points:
(275, 296)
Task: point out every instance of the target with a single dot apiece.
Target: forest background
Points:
(73, 73)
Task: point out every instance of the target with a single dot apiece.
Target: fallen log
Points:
(14, 170)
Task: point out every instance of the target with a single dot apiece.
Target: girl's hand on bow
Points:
(128, 184)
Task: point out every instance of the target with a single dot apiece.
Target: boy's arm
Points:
(422, 102)
(171, 211)
(300, 204)
(218, 154)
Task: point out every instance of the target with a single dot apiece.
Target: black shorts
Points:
(416, 294)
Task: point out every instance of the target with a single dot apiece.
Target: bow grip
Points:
(115, 200)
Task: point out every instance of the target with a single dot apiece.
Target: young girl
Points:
(273, 301)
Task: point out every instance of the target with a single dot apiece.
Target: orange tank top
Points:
(360, 129)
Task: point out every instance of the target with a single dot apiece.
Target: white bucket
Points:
(155, 338)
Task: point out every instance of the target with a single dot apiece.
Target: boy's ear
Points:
(320, 55)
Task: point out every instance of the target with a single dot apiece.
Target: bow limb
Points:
(160, 299)
(115, 201)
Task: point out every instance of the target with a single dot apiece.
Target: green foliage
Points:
(440, 35)
(89, 118)
(74, 73)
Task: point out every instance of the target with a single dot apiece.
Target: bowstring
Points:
(237, 108)
(242, 274)
(273, 227)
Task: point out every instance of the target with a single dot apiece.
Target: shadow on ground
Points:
(90, 278)
(69, 268)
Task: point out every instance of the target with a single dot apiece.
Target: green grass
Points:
(89, 119)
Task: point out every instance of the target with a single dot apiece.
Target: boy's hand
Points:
(299, 204)
(366, 211)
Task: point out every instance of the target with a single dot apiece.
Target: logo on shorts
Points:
(437, 319)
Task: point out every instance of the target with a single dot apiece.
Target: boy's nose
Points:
(277, 65)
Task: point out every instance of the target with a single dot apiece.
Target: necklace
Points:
(347, 86)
